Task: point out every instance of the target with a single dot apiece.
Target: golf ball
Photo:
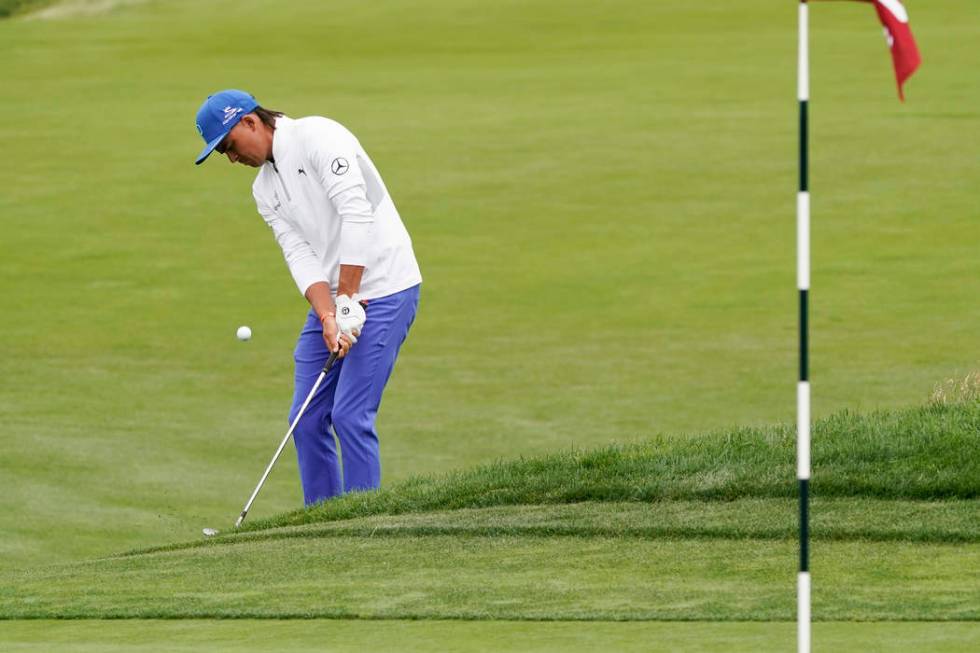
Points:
(244, 333)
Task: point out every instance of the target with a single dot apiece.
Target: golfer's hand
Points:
(336, 342)
(350, 317)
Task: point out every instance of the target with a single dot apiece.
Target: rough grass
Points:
(11, 7)
(964, 390)
(923, 453)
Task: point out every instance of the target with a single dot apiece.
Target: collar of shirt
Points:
(281, 138)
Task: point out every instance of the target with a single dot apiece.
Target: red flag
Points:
(905, 54)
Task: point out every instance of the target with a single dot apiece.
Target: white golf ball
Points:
(244, 333)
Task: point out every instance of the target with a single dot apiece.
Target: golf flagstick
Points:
(282, 445)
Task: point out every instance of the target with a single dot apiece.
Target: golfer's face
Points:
(243, 145)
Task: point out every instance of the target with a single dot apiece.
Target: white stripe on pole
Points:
(803, 77)
(803, 430)
(803, 240)
(803, 607)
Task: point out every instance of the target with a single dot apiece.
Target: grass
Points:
(466, 637)
(962, 390)
(629, 534)
(919, 453)
(833, 519)
(508, 578)
(601, 199)
(483, 119)
(11, 7)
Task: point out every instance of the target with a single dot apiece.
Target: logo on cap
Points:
(199, 129)
(230, 112)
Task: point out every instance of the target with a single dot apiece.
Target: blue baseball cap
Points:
(219, 113)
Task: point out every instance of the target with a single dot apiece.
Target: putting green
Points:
(342, 636)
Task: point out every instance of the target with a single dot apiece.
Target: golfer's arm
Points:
(318, 294)
(350, 279)
(356, 232)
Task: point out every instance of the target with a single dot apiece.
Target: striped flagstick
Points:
(906, 59)
(803, 388)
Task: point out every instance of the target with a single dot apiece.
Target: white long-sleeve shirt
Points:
(327, 206)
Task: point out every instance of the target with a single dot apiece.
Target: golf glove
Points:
(350, 317)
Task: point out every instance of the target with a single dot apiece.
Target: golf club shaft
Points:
(282, 445)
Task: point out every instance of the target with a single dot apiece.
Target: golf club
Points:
(210, 532)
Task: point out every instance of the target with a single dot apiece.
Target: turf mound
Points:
(923, 453)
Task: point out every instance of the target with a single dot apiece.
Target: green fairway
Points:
(601, 197)
(546, 158)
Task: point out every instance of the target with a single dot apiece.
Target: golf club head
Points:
(210, 532)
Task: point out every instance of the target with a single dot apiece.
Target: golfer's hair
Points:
(267, 116)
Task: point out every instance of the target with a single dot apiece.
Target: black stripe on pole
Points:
(804, 525)
(804, 335)
(804, 154)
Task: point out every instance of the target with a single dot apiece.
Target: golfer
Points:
(352, 259)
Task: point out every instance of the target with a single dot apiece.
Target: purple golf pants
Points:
(348, 399)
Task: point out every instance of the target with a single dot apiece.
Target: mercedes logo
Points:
(339, 166)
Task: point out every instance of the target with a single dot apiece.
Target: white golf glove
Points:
(350, 317)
